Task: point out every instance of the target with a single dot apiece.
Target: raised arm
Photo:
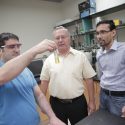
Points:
(13, 67)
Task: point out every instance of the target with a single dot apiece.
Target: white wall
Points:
(105, 4)
(70, 11)
(70, 8)
(31, 20)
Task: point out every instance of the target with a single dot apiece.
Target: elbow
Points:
(3, 80)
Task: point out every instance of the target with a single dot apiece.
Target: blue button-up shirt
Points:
(111, 65)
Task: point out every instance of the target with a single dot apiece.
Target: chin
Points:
(61, 48)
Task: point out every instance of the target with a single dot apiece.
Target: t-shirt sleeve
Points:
(32, 78)
(45, 71)
(88, 71)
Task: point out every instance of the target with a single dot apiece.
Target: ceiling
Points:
(54, 0)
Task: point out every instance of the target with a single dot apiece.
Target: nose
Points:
(60, 39)
(99, 36)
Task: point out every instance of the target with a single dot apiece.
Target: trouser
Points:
(112, 101)
(72, 109)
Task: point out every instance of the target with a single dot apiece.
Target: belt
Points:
(66, 100)
(114, 93)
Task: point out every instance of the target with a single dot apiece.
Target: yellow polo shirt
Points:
(66, 77)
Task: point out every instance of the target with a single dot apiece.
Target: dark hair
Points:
(6, 36)
(110, 22)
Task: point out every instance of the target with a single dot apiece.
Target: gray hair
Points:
(63, 28)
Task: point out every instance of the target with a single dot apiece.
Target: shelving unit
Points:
(108, 11)
(79, 36)
(90, 17)
(97, 14)
(92, 31)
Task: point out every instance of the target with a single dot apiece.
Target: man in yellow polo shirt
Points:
(64, 72)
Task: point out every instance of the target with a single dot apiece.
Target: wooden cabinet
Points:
(97, 92)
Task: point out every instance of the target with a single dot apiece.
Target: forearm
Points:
(45, 106)
(90, 88)
(91, 103)
(13, 67)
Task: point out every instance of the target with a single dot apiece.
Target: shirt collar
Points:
(114, 45)
(71, 50)
(102, 51)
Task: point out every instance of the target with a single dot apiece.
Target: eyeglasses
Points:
(12, 46)
(102, 32)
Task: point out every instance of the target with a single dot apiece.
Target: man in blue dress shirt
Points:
(111, 63)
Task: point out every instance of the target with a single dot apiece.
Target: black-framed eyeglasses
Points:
(12, 46)
(102, 32)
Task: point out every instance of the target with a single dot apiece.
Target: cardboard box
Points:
(87, 12)
(86, 5)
